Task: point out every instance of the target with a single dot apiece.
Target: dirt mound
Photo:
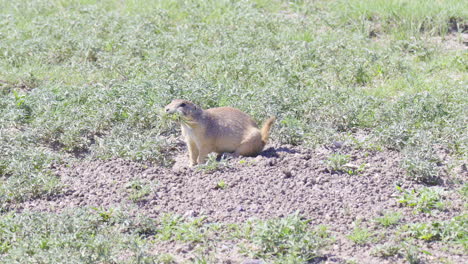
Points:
(281, 181)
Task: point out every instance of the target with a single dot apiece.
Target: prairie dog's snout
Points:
(222, 129)
(172, 108)
(183, 107)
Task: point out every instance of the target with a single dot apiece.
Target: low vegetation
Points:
(289, 240)
(453, 230)
(423, 200)
(336, 162)
(137, 190)
(360, 235)
(114, 236)
(389, 219)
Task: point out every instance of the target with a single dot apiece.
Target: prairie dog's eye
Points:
(182, 105)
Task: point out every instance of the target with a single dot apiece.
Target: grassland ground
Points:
(283, 181)
(367, 162)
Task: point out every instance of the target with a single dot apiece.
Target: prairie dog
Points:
(222, 129)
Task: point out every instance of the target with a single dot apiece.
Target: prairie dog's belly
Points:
(227, 144)
(189, 133)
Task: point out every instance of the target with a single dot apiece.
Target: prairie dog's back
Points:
(228, 125)
(228, 120)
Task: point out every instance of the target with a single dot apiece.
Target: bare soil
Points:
(281, 181)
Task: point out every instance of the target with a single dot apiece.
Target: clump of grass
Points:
(287, 240)
(291, 131)
(212, 164)
(360, 235)
(175, 117)
(389, 249)
(177, 228)
(335, 162)
(389, 219)
(421, 165)
(422, 200)
(144, 146)
(138, 190)
(453, 230)
(411, 253)
(25, 171)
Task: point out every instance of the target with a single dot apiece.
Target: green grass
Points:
(454, 230)
(98, 235)
(387, 250)
(389, 219)
(81, 236)
(288, 240)
(137, 190)
(421, 164)
(336, 162)
(361, 235)
(401, 18)
(87, 79)
(423, 200)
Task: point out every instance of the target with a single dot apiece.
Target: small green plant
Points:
(138, 190)
(4, 247)
(105, 215)
(212, 164)
(411, 254)
(221, 185)
(291, 131)
(360, 235)
(173, 227)
(337, 161)
(423, 200)
(389, 219)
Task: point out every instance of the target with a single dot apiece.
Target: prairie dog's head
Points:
(183, 107)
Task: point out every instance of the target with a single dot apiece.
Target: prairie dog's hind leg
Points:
(251, 145)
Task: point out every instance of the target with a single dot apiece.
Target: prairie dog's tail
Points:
(265, 131)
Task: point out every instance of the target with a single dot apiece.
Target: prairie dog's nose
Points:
(167, 110)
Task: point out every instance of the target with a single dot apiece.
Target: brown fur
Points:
(222, 129)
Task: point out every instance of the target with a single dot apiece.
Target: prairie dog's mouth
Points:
(170, 110)
(177, 116)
